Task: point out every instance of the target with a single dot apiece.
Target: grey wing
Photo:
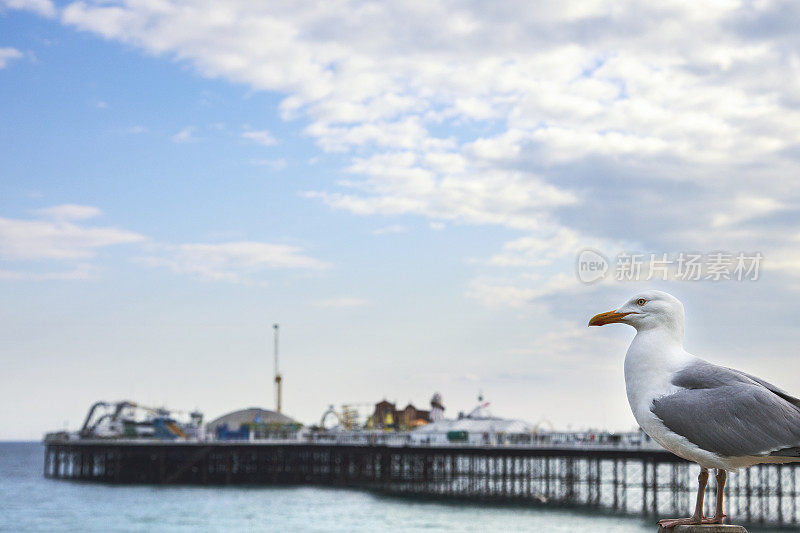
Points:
(704, 375)
(730, 413)
(777, 390)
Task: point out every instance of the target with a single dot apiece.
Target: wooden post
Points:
(708, 528)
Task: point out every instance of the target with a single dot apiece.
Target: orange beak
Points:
(609, 317)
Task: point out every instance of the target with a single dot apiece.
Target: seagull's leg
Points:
(722, 475)
(697, 517)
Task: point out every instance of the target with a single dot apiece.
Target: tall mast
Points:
(277, 373)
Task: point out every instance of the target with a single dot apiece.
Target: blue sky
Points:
(403, 186)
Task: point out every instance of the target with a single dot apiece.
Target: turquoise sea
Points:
(29, 502)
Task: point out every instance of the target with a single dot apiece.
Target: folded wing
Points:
(731, 413)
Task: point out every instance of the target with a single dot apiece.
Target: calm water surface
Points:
(29, 502)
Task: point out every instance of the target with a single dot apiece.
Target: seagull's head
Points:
(647, 310)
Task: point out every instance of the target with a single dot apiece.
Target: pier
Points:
(646, 481)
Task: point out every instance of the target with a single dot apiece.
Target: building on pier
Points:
(253, 423)
(388, 417)
(480, 427)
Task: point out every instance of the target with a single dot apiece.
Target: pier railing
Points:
(618, 478)
(629, 440)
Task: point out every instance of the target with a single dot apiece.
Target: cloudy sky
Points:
(404, 186)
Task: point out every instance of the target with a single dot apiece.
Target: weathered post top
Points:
(706, 528)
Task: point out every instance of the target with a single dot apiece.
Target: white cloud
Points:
(400, 183)
(57, 236)
(60, 233)
(274, 164)
(135, 130)
(536, 250)
(394, 228)
(744, 208)
(233, 262)
(566, 347)
(547, 117)
(81, 272)
(366, 77)
(7, 55)
(341, 302)
(262, 137)
(512, 293)
(42, 7)
(185, 135)
(69, 212)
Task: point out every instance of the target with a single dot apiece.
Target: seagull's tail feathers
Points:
(777, 390)
(787, 452)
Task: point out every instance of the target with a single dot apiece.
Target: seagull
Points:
(715, 416)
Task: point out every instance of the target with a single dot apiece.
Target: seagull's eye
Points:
(641, 301)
